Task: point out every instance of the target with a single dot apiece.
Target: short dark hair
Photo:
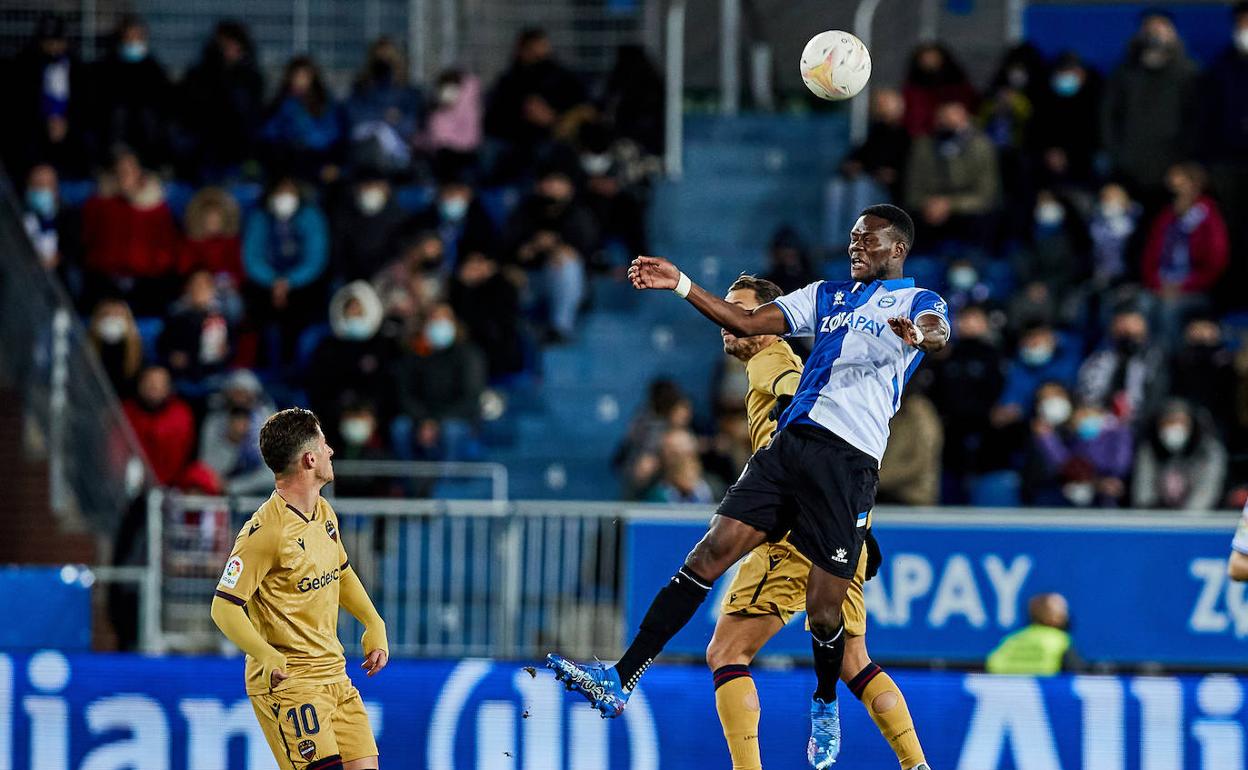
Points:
(765, 290)
(896, 217)
(285, 436)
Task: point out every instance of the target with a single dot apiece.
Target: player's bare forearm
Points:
(659, 273)
(1237, 566)
(935, 333)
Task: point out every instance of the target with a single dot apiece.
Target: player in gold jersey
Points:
(290, 572)
(770, 585)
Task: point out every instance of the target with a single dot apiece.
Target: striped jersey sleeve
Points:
(800, 310)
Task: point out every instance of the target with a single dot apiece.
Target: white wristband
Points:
(683, 286)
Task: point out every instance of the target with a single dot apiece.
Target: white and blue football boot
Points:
(825, 734)
(598, 682)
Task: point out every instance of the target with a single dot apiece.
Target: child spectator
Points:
(197, 340)
(1181, 463)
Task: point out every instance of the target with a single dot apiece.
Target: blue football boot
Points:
(598, 682)
(825, 734)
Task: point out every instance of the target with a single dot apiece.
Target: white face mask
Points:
(371, 200)
(111, 328)
(1055, 410)
(283, 205)
(1174, 437)
(356, 430)
(1079, 493)
(596, 164)
(1050, 213)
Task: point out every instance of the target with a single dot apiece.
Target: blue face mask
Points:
(440, 333)
(453, 209)
(41, 201)
(1036, 355)
(1066, 83)
(135, 51)
(1089, 427)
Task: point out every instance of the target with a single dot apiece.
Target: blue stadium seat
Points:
(149, 331)
(499, 202)
(178, 195)
(74, 192)
(308, 342)
(247, 194)
(414, 197)
(999, 489)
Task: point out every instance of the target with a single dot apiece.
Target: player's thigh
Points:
(353, 731)
(298, 725)
(739, 637)
(835, 494)
(763, 494)
(726, 540)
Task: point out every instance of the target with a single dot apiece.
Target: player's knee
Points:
(720, 653)
(825, 620)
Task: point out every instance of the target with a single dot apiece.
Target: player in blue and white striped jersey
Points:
(1237, 565)
(817, 479)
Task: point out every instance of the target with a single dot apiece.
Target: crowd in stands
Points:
(1087, 231)
(382, 254)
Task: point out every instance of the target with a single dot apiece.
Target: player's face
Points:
(324, 467)
(733, 345)
(871, 248)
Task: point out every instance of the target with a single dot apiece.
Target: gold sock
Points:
(736, 700)
(887, 708)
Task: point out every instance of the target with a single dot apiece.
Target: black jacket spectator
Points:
(1203, 372)
(51, 103)
(196, 342)
(967, 381)
(133, 98)
(1066, 126)
(633, 100)
(441, 378)
(223, 100)
(460, 220)
(561, 216)
(368, 228)
(489, 306)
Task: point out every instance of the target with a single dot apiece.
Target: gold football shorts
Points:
(314, 727)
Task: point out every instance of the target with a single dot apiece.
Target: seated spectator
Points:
(934, 78)
(165, 428)
(632, 101)
(440, 378)
(550, 235)
(362, 437)
(1005, 119)
(197, 340)
(1128, 375)
(229, 441)
(1066, 128)
(453, 135)
(1057, 247)
(116, 340)
(410, 285)
(1042, 357)
(459, 219)
(910, 470)
(133, 94)
(222, 99)
(212, 243)
(1088, 458)
(1043, 648)
(1147, 114)
(728, 450)
(367, 226)
(352, 363)
(130, 240)
(1187, 251)
(534, 101)
(874, 171)
(637, 458)
(788, 260)
(967, 378)
(616, 201)
(1180, 463)
(489, 306)
(384, 113)
(952, 179)
(53, 230)
(1203, 372)
(965, 286)
(285, 253)
(1114, 229)
(304, 131)
(51, 102)
(683, 482)
(1224, 140)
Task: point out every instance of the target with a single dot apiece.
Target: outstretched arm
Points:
(929, 333)
(658, 273)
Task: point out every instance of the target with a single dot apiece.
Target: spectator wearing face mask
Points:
(354, 360)
(285, 254)
(1088, 457)
(51, 102)
(1180, 463)
(1147, 113)
(551, 235)
(361, 435)
(616, 201)
(873, 171)
(304, 131)
(385, 112)
(229, 441)
(1224, 135)
(1186, 253)
(1115, 231)
(53, 231)
(788, 260)
(367, 227)
(165, 428)
(197, 340)
(933, 78)
(1203, 372)
(459, 219)
(632, 99)
(965, 286)
(115, 338)
(222, 100)
(1056, 247)
(130, 240)
(1128, 374)
(410, 285)
(1066, 128)
(133, 96)
(1043, 356)
(910, 470)
(489, 306)
(454, 130)
(439, 379)
(952, 178)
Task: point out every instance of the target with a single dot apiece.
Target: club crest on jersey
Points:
(331, 530)
(888, 301)
(307, 749)
(233, 571)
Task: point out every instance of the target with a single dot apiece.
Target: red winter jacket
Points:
(167, 436)
(121, 239)
(217, 254)
(1208, 247)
